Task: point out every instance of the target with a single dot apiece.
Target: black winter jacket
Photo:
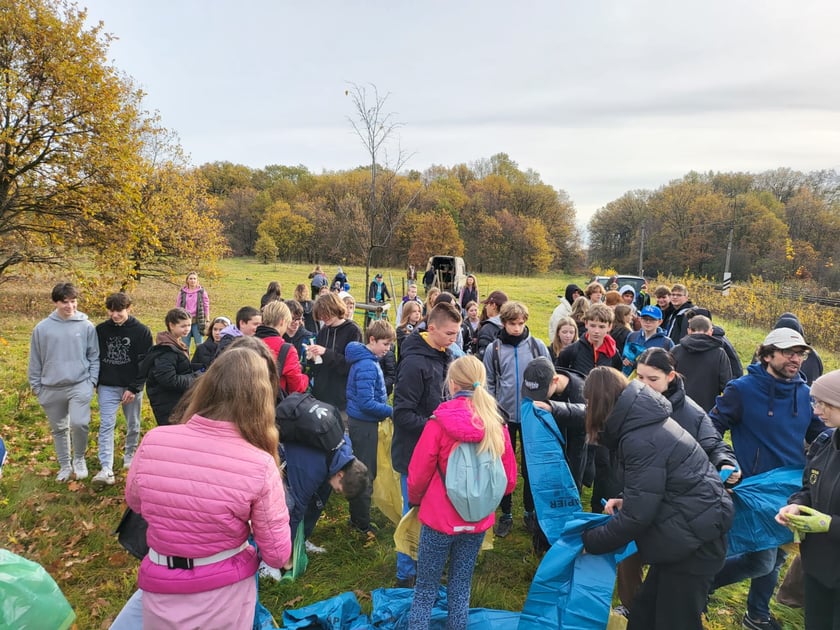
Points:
(571, 420)
(487, 333)
(821, 491)
(204, 354)
(580, 356)
(169, 375)
(419, 389)
(330, 377)
(704, 365)
(691, 417)
(674, 501)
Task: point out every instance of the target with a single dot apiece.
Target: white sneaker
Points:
(313, 548)
(64, 474)
(103, 478)
(127, 461)
(270, 572)
(80, 468)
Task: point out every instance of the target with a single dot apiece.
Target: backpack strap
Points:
(535, 348)
(497, 351)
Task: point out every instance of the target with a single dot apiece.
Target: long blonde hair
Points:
(468, 374)
(237, 388)
(556, 344)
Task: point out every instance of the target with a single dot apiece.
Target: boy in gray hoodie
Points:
(63, 372)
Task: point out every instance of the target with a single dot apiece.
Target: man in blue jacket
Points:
(769, 413)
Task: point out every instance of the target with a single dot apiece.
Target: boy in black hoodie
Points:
(123, 342)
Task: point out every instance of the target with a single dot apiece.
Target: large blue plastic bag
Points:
(573, 591)
(757, 500)
(29, 597)
(556, 496)
(341, 612)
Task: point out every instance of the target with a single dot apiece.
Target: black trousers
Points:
(670, 599)
(822, 606)
(514, 429)
(365, 438)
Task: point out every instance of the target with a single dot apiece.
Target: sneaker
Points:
(103, 478)
(64, 474)
(80, 468)
(266, 571)
(530, 520)
(368, 532)
(406, 582)
(127, 461)
(769, 623)
(313, 548)
(504, 526)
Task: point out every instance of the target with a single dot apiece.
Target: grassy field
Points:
(67, 527)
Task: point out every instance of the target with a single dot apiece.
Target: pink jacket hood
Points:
(198, 485)
(451, 424)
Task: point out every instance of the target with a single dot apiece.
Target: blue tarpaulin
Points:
(757, 500)
(571, 590)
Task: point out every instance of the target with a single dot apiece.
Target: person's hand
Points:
(128, 397)
(315, 351)
(733, 477)
(542, 405)
(783, 513)
(627, 362)
(612, 506)
(809, 520)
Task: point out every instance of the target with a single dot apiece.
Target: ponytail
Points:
(468, 374)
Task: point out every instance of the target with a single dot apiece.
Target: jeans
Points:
(506, 504)
(365, 438)
(762, 567)
(406, 567)
(110, 397)
(434, 548)
(195, 333)
(68, 411)
(131, 615)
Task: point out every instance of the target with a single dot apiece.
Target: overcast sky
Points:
(598, 97)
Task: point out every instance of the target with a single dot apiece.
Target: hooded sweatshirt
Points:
(121, 347)
(769, 419)
(330, 376)
(452, 423)
(63, 352)
(703, 362)
(564, 309)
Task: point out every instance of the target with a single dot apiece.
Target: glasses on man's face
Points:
(819, 403)
(789, 353)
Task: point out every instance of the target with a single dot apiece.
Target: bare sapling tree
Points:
(373, 221)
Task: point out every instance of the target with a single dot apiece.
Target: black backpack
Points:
(303, 419)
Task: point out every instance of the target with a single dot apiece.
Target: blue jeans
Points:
(406, 567)
(195, 333)
(131, 615)
(435, 547)
(110, 397)
(762, 568)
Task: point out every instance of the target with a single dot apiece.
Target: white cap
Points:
(784, 338)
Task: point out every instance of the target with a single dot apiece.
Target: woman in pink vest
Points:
(203, 486)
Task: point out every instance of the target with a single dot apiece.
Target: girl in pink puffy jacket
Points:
(203, 486)
(471, 416)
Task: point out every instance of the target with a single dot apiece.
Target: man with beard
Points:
(769, 413)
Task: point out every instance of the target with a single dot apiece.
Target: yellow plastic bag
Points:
(387, 494)
(407, 534)
(616, 622)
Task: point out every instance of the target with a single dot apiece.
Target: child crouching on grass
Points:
(471, 416)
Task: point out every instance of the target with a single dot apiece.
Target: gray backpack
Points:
(475, 482)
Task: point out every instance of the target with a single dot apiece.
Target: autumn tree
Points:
(69, 129)
(433, 233)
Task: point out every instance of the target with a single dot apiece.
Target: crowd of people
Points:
(643, 394)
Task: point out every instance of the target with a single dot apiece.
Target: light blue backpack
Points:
(475, 482)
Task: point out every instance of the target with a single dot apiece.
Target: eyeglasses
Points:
(789, 353)
(820, 403)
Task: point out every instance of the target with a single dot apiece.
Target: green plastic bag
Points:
(29, 597)
(299, 558)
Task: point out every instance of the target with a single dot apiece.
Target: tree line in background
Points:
(502, 219)
(784, 225)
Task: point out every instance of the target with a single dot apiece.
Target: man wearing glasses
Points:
(769, 413)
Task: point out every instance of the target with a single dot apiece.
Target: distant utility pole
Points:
(727, 276)
(642, 251)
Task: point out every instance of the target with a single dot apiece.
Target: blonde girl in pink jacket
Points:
(471, 416)
(204, 486)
